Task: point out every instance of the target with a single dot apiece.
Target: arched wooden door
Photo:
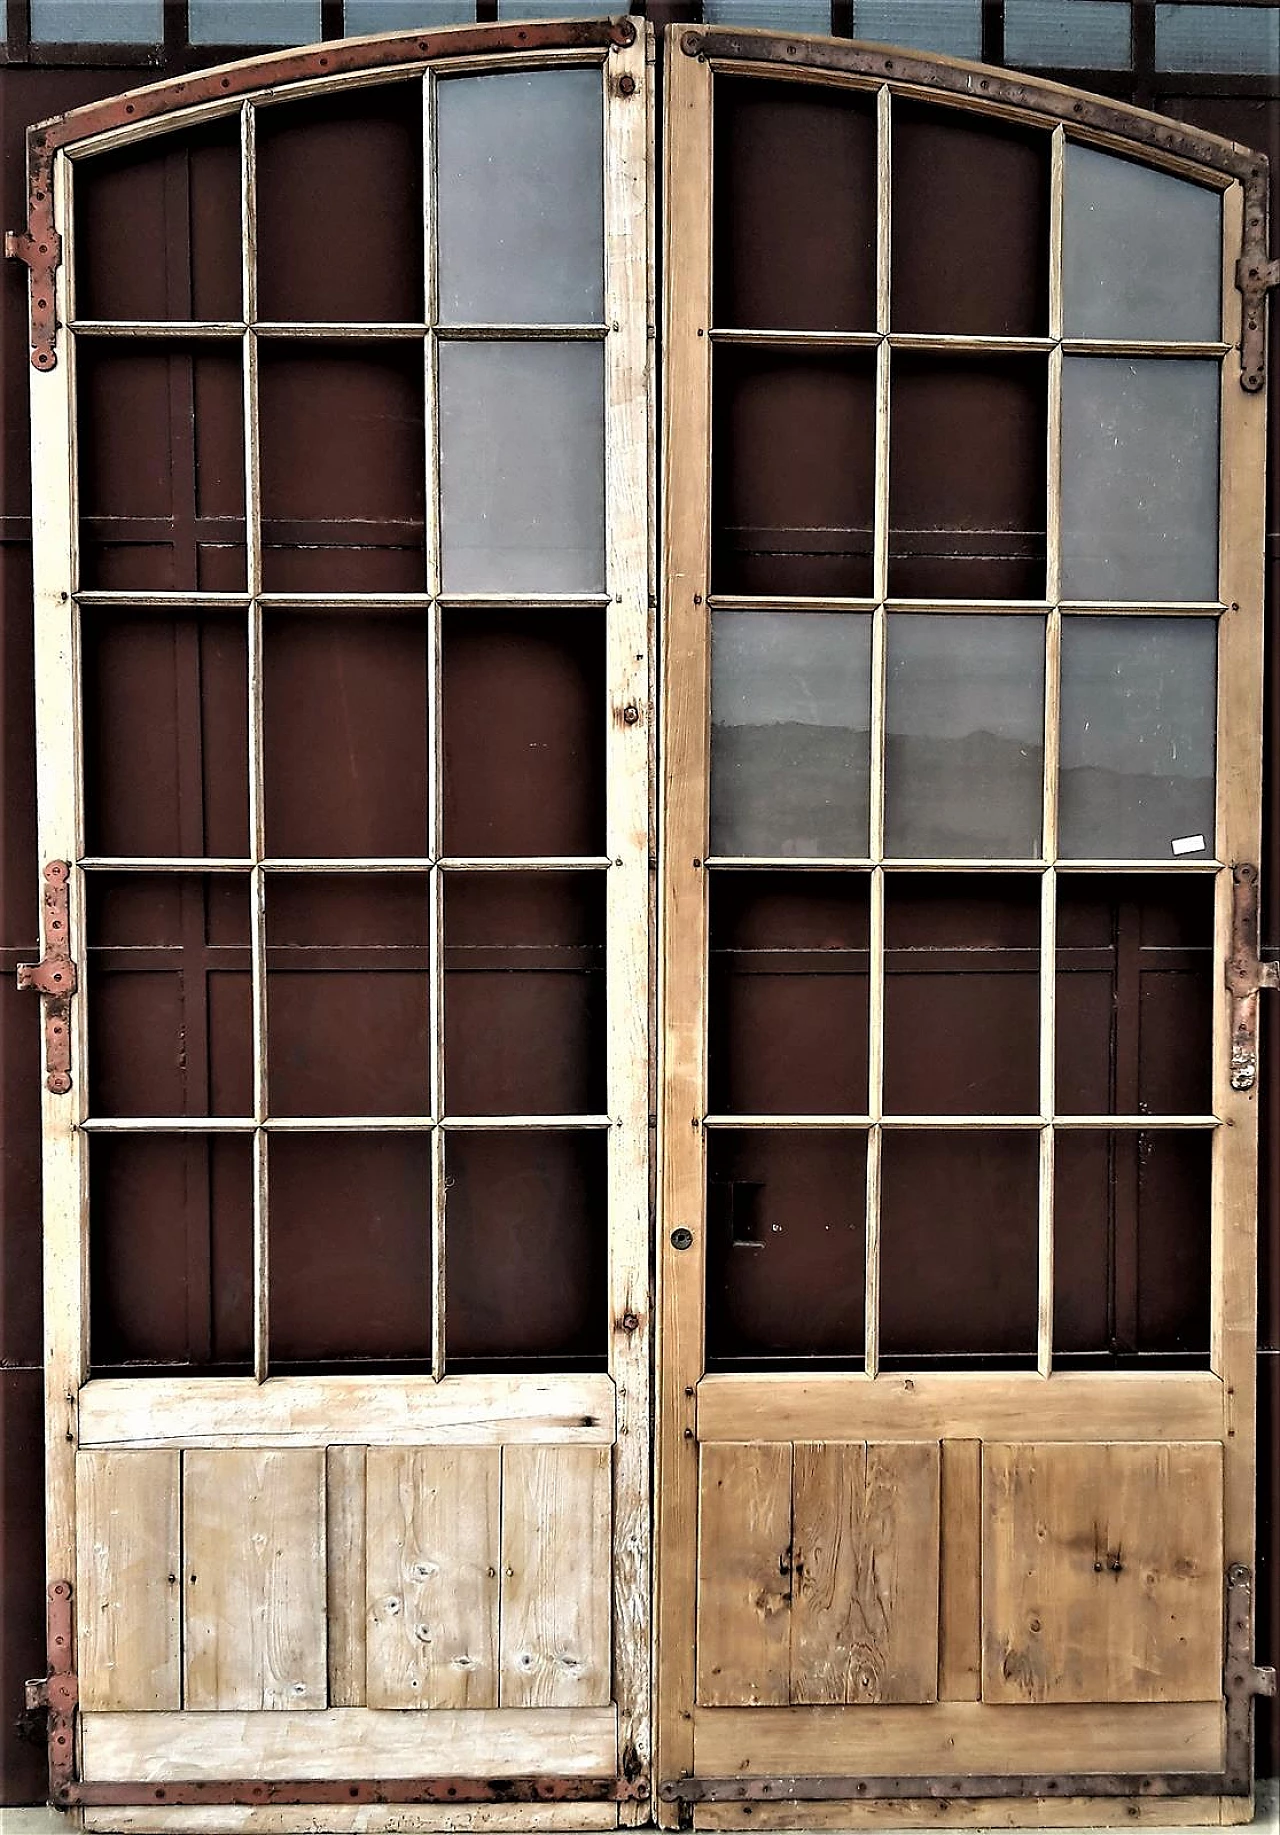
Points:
(963, 624)
(340, 385)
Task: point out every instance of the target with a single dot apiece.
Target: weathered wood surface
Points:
(744, 1576)
(556, 1609)
(128, 1595)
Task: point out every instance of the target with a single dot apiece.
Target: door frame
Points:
(1216, 1404)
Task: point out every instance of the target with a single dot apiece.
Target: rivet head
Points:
(682, 1238)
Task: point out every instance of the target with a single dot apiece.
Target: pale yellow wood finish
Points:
(128, 1592)
(978, 1812)
(556, 1621)
(345, 1571)
(960, 1587)
(360, 1819)
(744, 1576)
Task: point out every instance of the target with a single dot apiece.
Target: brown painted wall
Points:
(29, 94)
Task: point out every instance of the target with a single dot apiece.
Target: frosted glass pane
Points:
(1067, 34)
(519, 198)
(89, 22)
(952, 26)
(1138, 719)
(1142, 252)
(1229, 40)
(254, 22)
(790, 719)
(782, 15)
(522, 467)
(964, 736)
(405, 15)
(1139, 479)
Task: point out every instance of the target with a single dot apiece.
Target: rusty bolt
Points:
(626, 85)
(630, 1322)
(631, 714)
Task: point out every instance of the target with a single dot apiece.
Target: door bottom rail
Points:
(57, 1696)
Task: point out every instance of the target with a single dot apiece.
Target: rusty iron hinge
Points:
(1255, 277)
(1247, 976)
(1242, 1679)
(40, 246)
(55, 977)
(57, 1697)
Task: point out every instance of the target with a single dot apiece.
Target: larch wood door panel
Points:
(556, 1515)
(744, 1576)
(128, 1584)
(254, 1586)
(1102, 1573)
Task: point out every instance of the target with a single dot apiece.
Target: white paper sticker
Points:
(1188, 844)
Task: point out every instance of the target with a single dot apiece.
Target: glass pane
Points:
(519, 198)
(1067, 34)
(1228, 40)
(789, 979)
(1131, 1264)
(786, 1247)
(782, 15)
(1138, 721)
(790, 726)
(1142, 252)
(254, 22)
(953, 26)
(951, 1201)
(964, 736)
(1139, 479)
(962, 968)
(1135, 994)
(522, 467)
(526, 1249)
(552, 9)
(89, 22)
(405, 15)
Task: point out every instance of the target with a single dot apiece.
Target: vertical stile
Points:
(53, 532)
(875, 1096)
(627, 642)
(880, 538)
(875, 1137)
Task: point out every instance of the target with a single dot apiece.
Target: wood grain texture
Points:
(1102, 1573)
(253, 1533)
(960, 1573)
(355, 1819)
(129, 1642)
(977, 1737)
(432, 1554)
(556, 1577)
(744, 1576)
(345, 1574)
(975, 1813)
(462, 1742)
(864, 1601)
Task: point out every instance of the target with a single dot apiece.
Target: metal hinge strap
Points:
(1255, 278)
(55, 976)
(40, 247)
(1247, 975)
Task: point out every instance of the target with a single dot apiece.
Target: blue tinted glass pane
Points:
(554, 9)
(950, 26)
(784, 15)
(1067, 34)
(89, 22)
(405, 15)
(1232, 40)
(254, 22)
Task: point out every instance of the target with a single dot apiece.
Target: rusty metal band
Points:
(54, 976)
(981, 86)
(40, 245)
(323, 1791)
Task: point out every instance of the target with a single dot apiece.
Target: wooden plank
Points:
(902, 1741)
(1101, 1573)
(354, 1819)
(960, 1576)
(253, 1537)
(1112, 1405)
(128, 1557)
(454, 1742)
(432, 1542)
(556, 1577)
(972, 1812)
(323, 1410)
(344, 1573)
(744, 1575)
(864, 1602)
(686, 527)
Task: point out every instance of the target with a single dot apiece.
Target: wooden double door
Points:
(373, 854)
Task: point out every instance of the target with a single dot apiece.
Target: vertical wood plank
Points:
(432, 1554)
(556, 1577)
(1102, 1572)
(960, 1578)
(129, 1649)
(744, 1576)
(344, 1574)
(253, 1534)
(864, 1609)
